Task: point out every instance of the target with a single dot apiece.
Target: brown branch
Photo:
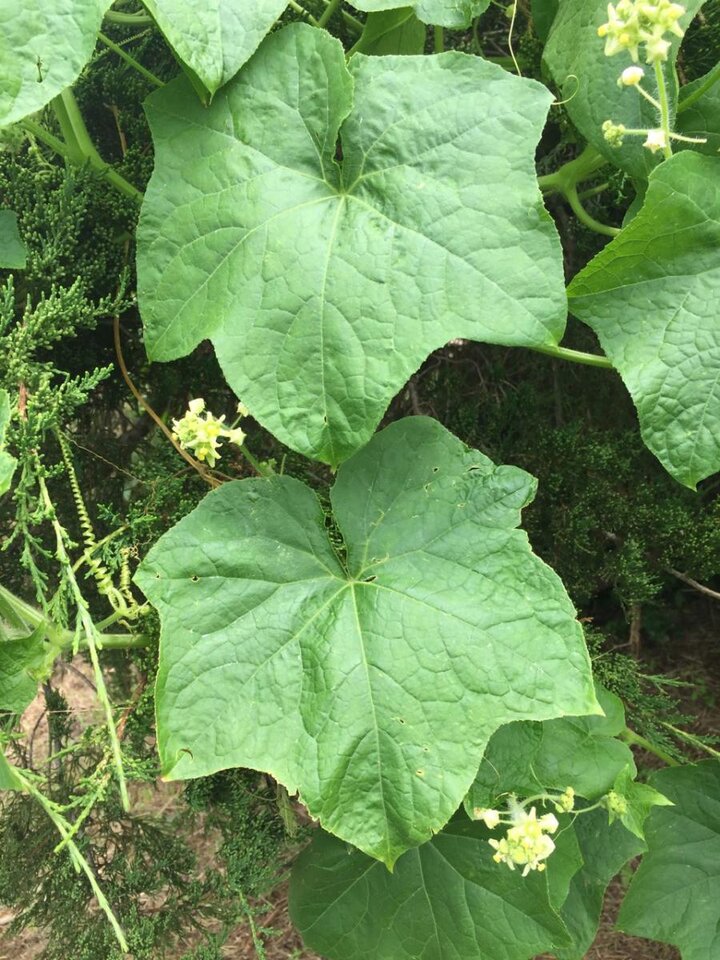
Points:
(195, 464)
(706, 591)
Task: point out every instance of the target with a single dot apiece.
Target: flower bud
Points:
(631, 76)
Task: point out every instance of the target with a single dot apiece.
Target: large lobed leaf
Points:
(587, 79)
(675, 895)
(370, 684)
(324, 284)
(217, 37)
(526, 758)
(651, 296)
(445, 899)
(44, 44)
(449, 899)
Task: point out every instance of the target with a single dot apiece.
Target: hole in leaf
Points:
(370, 579)
(194, 578)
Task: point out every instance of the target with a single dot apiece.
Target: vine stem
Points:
(78, 860)
(664, 108)
(92, 638)
(79, 145)
(571, 195)
(582, 168)
(438, 39)
(329, 12)
(303, 13)
(631, 737)
(124, 55)
(575, 356)
(23, 616)
(129, 19)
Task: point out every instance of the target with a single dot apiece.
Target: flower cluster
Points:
(615, 804)
(526, 842)
(202, 435)
(633, 23)
(566, 801)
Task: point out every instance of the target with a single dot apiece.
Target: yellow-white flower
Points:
(202, 434)
(490, 817)
(656, 140)
(527, 843)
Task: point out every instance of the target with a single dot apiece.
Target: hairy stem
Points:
(664, 108)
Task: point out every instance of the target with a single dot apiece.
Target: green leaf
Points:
(543, 14)
(324, 285)
(701, 119)
(372, 684)
(445, 899)
(21, 659)
(13, 253)
(605, 849)
(7, 463)
(651, 297)
(392, 32)
(9, 779)
(675, 895)
(587, 80)
(44, 44)
(580, 752)
(457, 14)
(640, 799)
(564, 863)
(217, 37)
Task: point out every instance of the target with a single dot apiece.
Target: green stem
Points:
(575, 356)
(593, 191)
(690, 738)
(122, 641)
(303, 13)
(356, 25)
(123, 54)
(438, 39)
(664, 107)
(260, 468)
(78, 146)
(583, 167)
(571, 195)
(129, 19)
(49, 139)
(332, 7)
(710, 80)
(79, 861)
(633, 738)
